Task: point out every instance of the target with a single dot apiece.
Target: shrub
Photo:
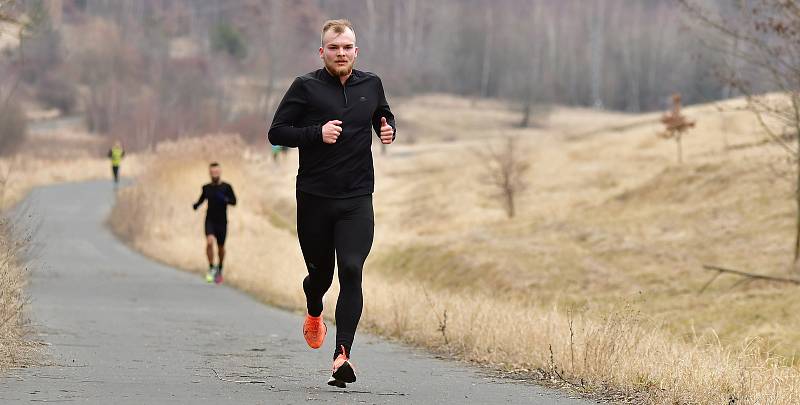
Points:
(13, 127)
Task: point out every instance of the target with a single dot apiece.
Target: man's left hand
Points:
(387, 132)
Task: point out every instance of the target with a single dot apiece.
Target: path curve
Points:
(124, 329)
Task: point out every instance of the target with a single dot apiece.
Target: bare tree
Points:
(506, 168)
(764, 38)
(486, 66)
(597, 50)
(630, 52)
(538, 61)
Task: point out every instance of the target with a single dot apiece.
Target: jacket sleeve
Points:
(231, 196)
(284, 130)
(382, 111)
(201, 199)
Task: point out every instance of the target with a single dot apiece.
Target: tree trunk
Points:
(597, 44)
(526, 112)
(372, 40)
(487, 54)
(397, 38)
(680, 149)
(630, 59)
(797, 213)
(510, 205)
(411, 15)
(796, 107)
(272, 56)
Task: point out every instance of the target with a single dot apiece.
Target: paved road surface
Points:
(124, 329)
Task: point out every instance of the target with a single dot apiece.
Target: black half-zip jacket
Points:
(219, 197)
(342, 169)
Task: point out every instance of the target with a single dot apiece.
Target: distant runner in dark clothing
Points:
(219, 195)
(330, 115)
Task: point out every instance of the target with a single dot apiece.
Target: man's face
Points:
(215, 173)
(339, 52)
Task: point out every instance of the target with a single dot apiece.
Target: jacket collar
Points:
(328, 77)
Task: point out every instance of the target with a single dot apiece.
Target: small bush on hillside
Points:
(13, 127)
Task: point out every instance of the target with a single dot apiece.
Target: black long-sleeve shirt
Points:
(342, 169)
(219, 196)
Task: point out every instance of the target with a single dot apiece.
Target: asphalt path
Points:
(121, 328)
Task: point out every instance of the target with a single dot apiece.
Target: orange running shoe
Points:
(343, 371)
(314, 331)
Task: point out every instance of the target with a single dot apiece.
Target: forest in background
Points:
(148, 70)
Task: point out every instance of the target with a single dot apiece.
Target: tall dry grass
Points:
(15, 347)
(440, 243)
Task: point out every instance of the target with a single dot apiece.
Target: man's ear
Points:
(320, 53)
(355, 55)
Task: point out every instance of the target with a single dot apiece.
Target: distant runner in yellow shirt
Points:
(115, 154)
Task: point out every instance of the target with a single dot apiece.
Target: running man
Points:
(330, 114)
(115, 154)
(219, 195)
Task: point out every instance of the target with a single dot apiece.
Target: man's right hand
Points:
(331, 131)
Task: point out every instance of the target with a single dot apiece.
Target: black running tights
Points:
(335, 231)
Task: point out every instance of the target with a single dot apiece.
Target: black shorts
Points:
(218, 229)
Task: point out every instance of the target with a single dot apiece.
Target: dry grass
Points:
(596, 279)
(15, 349)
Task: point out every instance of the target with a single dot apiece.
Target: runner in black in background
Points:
(219, 195)
(330, 115)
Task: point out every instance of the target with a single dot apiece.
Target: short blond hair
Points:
(338, 26)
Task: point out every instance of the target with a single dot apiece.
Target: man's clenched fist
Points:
(331, 131)
(387, 132)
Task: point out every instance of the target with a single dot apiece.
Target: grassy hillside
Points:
(609, 219)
